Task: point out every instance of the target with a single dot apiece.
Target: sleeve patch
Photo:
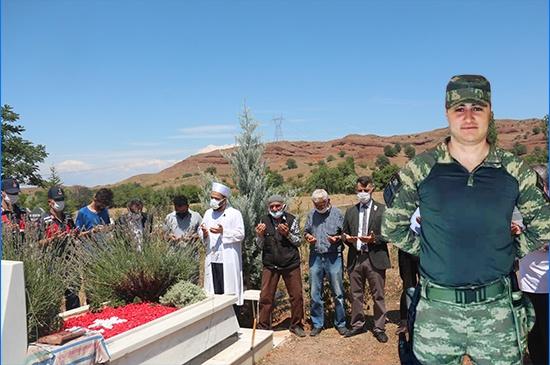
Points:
(391, 189)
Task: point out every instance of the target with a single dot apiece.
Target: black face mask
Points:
(182, 215)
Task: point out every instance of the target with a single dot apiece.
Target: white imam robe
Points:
(225, 249)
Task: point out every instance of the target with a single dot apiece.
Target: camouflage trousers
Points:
(443, 332)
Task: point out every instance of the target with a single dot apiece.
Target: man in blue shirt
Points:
(323, 232)
(96, 213)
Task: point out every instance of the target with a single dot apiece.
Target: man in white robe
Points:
(222, 231)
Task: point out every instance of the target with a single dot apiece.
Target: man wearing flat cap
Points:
(222, 231)
(278, 234)
(466, 189)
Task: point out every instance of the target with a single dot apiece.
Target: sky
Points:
(118, 88)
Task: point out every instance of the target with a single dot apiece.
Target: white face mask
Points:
(363, 197)
(58, 206)
(323, 211)
(215, 203)
(278, 214)
(11, 199)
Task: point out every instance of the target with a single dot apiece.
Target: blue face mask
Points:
(278, 214)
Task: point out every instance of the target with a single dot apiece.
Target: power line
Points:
(278, 128)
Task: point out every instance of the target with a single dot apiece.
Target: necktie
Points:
(364, 226)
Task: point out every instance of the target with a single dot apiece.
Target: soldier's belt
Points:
(466, 295)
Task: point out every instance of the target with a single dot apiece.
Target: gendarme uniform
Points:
(467, 251)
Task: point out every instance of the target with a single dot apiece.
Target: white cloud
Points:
(216, 128)
(72, 166)
(157, 164)
(212, 147)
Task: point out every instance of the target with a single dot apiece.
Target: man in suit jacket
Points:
(368, 258)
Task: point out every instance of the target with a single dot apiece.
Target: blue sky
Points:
(116, 88)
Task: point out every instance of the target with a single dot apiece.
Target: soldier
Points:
(466, 190)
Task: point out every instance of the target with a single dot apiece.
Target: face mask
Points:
(278, 214)
(363, 197)
(323, 211)
(215, 203)
(58, 206)
(11, 199)
(182, 214)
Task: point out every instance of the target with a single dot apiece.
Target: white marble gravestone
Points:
(14, 316)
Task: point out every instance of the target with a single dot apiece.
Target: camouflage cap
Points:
(467, 88)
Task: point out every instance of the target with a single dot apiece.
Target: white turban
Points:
(222, 189)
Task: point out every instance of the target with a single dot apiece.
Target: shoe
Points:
(315, 331)
(298, 331)
(381, 336)
(354, 332)
(342, 330)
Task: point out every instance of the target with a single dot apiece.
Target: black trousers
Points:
(408, 270)
(217, 278)
(537, 342)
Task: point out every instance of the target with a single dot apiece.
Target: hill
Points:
(363, 148)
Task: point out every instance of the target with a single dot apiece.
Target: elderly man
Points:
(368, 258)
(466, 190)
(222, 231)
(278, 234)
(322, 231)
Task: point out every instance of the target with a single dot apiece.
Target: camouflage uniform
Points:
(465, 246)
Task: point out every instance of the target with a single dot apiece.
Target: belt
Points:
(467, 295)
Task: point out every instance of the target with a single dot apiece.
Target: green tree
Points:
(382, 161)
(382, 177)
(519, 149)
(211, 170)
(274, 179)
(20, 157)
(397, 147)
(342, 153)
(291, 164)
(410, 152)
(54, 179)
(389, 151)
(536, 130)
(249, 174)
(537, 157)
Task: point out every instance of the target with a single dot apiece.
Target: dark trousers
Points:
(217, 278)
(408, 270)
(71, 299)
(293, 283)
(537, 341)
(363, 270)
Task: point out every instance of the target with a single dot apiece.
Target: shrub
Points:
(330, 158)
(210, 170)
(536, 130)
(382, 161)
(188, 174)
(342, 153)
(274, 179)
(117, 272)
(382, 177)
(519, 149)
(182, 294)
(397, 147)
(389, 151)
(363, 165)
(410, 152)
(291, 164)
(47, 274)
